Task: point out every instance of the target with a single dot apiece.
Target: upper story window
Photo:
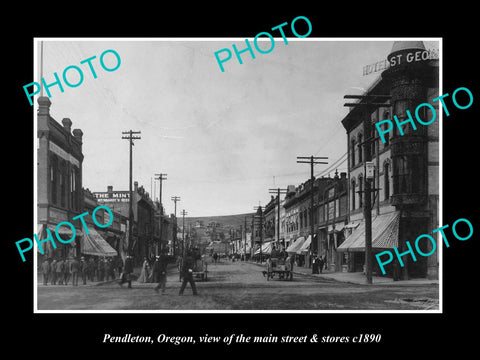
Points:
(360, 155)
(53, 178)
(386, 136)
(352, 151)
(353, 194)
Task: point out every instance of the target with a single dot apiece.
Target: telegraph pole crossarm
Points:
(175, 199)
(312, 162)
(160, 178)
(183, 231)
(130, 137)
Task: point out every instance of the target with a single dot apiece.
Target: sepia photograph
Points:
(263, 174)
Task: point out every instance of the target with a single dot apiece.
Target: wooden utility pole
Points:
(130, 137)
(160, 178)
(175, 199)
(312, 160)
(183, 232)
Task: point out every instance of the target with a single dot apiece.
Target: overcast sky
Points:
(223, 138)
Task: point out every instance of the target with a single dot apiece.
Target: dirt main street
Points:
(241, 286)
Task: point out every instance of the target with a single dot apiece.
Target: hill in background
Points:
(224, 222)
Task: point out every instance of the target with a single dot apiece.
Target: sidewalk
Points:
(356, 277)
(359, 278)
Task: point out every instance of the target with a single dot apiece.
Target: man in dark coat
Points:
(127, 271)
(46, 271)
(321, 263)
(187, 273)
(66, 271)
(315, 264)
(160, 271)
(74, 269)
(83, 270)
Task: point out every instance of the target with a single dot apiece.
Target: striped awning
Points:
(94, 244)
(65, 232)
(266, 249)
(296, 245)
(384, 234)
(305, 246)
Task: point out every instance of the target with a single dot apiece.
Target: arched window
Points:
(63, 183)
(386, 136)
(53, 178)
(360, 139)
(353, 194)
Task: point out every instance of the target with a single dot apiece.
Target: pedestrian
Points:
(83, 270)
(315, 264)
(187, 274)
(53, 269)
(321, 263)
(215, 257)
(74, 269)
(119, 264)
(100, 269)
(111, 268)
(66, 271)
(145, 272)
(60, 270)
(46, 269)
(106, 267)
(127, 271)
(91, 269)
(160, 268)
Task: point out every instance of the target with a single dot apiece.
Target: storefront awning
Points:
(94, 244)
(266, 249)
(384, 234)
(305, 246)
(65, 233)
(297, 244)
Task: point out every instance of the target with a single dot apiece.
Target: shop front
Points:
(385, 235)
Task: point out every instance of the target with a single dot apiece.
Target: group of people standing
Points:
(60, 271)
(318, 262)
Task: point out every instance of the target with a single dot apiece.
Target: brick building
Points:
(405, 204)
(59, 181)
